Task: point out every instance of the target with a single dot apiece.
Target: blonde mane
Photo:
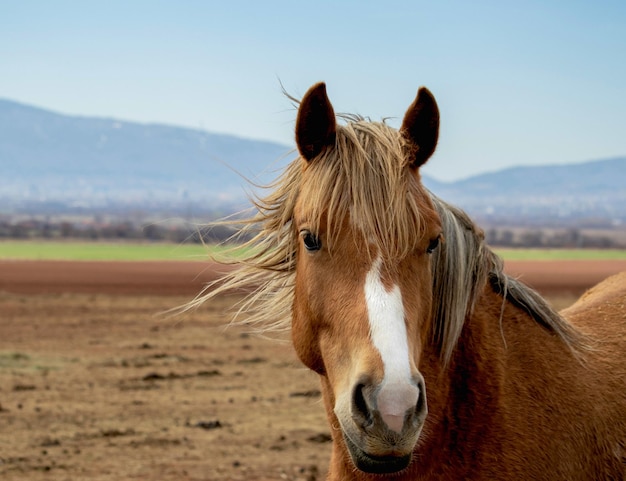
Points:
(365, 175)
(462, 266)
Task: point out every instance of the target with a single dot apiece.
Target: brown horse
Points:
(433, 363)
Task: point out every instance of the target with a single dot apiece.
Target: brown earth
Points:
(96, 382)
(187, 278)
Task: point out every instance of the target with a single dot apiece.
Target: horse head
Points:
(365, 230)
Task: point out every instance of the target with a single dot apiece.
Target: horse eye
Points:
(311, 241)
(433, 245)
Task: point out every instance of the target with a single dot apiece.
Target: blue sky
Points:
(518, 83)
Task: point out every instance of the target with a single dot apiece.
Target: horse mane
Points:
(366, 177)
(461, 267)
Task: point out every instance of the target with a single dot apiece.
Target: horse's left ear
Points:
(421, 126)
(316, 125)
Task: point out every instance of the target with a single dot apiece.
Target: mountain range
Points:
(52, 162)
(49, 158)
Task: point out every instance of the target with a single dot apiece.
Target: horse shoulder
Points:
(600, 314)
(601, 311)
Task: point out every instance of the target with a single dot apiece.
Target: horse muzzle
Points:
(383, 423)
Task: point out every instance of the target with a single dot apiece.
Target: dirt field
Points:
(96, 384)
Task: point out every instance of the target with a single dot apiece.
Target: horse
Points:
(433, 363)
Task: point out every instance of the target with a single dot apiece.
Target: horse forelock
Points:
(365, 178)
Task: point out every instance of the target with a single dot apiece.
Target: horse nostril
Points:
(360, 410)
(421, 408)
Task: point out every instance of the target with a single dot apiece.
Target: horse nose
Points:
(394, 404)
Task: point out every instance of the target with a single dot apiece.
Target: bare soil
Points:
(96, 382)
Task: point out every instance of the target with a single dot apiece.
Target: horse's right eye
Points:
(311, 241)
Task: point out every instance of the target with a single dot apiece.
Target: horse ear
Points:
(315, 125)
(421, 126)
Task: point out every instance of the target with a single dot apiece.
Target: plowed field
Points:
(96, 382)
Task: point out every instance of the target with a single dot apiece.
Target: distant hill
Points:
(52, 162)
(588, 190)
(48, 157)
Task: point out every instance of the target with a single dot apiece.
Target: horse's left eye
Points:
(311, 241)
(433, 245)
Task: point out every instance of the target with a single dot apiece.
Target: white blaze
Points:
(398, 393)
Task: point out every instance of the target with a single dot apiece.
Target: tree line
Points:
(114, 230)
(185, 232)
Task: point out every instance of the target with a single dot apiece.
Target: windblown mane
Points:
(366, 177)
(461, 267)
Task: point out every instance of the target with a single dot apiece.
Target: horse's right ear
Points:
(316, 125)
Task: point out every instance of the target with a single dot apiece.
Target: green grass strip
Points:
(106, 251)
(146, 251)
(561, 254)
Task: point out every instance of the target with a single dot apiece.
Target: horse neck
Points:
(464, 395)
(503, 359)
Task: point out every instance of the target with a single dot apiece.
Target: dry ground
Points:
(95, 384)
